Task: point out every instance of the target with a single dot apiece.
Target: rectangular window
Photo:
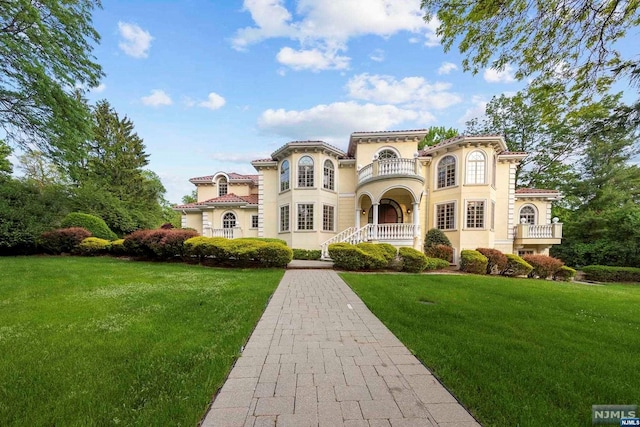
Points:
(475, 214)
(327, 218)
(254, 221)
(305, 216)
(284, 218)
(445, 216)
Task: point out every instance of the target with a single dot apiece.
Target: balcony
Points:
(391, 168)
(528, 234)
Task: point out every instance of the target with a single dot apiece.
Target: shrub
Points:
(516, 266)
(496, 260)
(167, 226)
(435, 237)
(389, 251)
(543, 266)
(63, 240)
(273, 254)
(167, 243)
(565, 274)
(117, 247)
(312, 254)
(601, 273)
(346, 256)
(439, 251)
(473, 262)
(436, 264)
(263, 239)
(413, 261)
(134, 244)
(96, 225)
(93, 246)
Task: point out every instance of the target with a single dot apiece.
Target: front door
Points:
(387, 214)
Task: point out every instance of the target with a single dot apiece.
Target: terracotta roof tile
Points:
(391, 131)
(535, 191)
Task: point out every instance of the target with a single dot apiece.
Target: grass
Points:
(101, 341)
(516, 351)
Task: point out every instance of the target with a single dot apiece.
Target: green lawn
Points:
(516, 351)
(101, 341)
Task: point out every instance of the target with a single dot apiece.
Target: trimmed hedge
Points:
(602, 273)
(312, 254)
(263, 239)
(439, 251)
(93, 246)
(564, 274)
(497, 262)
(117, 247)
(543, 266)
(96, 225)
(161, 243)
(473, 262)
(516, 266)
(63, 240)
(239, 252)
(436, 264)
(390, 252)
(413, 261)
(376, 258)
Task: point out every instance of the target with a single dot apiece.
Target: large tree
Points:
(576, 39)
(437, 134)
(45, 54)
(5, 164)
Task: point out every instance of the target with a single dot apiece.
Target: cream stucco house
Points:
(382, 189)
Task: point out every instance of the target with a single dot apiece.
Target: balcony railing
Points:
(400, 233)
(222, 232)
(386, 167)
(546, 231)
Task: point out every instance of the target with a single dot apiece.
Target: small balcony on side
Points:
(530, 234)
(390, 168)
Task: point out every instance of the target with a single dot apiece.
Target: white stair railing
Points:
(350, 235)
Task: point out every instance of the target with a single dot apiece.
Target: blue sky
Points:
(211, 85)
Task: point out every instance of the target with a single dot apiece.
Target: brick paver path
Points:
(319, 357)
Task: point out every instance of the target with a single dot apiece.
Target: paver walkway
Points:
(319, 357)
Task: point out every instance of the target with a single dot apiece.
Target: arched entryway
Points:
(389, 212)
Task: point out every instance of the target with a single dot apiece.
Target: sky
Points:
(212, 85)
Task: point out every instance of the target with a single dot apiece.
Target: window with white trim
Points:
(229, 220)
(387, 154)
(328, 179)
(305, 172)
(476, 165)
(284, 175)
(446, 216)
(328, 218)
(222, 187)
(305, 216)
(528, 213)
(284, 218)
(475, 214)
(447, 172)
(254, 221)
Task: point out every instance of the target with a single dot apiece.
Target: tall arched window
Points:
(387, 154)
(528, 213)
(305, 172)
(222, 186)
(328, 178)
(447, 172)
(229, 220)
(476, 168)
(284, 175)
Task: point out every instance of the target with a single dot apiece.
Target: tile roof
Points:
(227, 199)
(233, 177)
(390, 131)
(535, 191)
(293, 144)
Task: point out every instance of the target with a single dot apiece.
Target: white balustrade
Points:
(222, 232)
(387, 167)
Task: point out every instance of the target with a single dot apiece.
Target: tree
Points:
(437, 134)
(5, 165)
(543, 39)
(190, 198)
(40, 170)
(45, 52)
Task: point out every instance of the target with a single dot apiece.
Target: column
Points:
(357, 222)
(374, 235)
(416, 219)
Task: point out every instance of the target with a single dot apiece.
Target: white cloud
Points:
(312, 59)
(491, 75)
(447, 67)
(157, 98)
(377, 55)
(323, 25)
(476, 110)
(99, 89)
(213, 102)
(411, 91)
(238, 158)
(136, 41)
(333, 122)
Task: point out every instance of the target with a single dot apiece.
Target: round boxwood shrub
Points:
(516, 266)
(346, 256)
(497, 262)
(434, 237)
(307, 254)
(436, 264)
(388, 250)
(263, 239)
(565, 274)
(63, 240)
(375, 256)
(413, 261)
(94, 224)
(543, 266)
(273, 254)
(443, 252)
(473, 262)
(93, 246)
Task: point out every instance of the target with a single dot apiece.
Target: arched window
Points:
(447, 172)
(229, 220)
(476, 166)
(387, 154)
(528, 213)
(222, 186)
(305, 172)
(284, 175)
(328, 178)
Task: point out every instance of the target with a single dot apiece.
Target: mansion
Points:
(382, 189)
